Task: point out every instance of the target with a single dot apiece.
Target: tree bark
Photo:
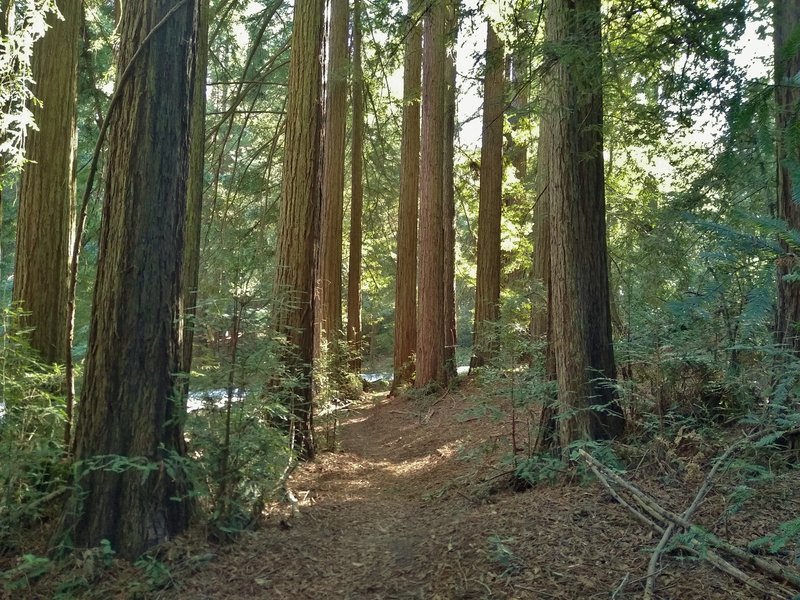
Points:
(46, 219)
(448, 199)
(579, 310)
(430, 308)
(129, 407)
(294, 274)
(356, 200)
(196, 183)
(487, 289)
(405, 332)
(330, 251)
(787, 97)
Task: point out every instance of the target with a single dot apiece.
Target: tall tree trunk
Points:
(487, 288)
(449, 199)
(787, 98)
(579, 297)
(45, 224)
(294, 274)
(430, 309)
(330, 250)
(356, 201)
(128, 407)
(196, 183)
(405, 324)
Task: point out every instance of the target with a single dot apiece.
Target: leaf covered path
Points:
(408, 509)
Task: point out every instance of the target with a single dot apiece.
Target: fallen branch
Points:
(659, 515)
(687, 515)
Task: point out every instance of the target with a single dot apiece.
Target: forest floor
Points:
(415, 503)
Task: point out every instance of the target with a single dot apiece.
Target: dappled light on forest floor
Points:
(415, 504)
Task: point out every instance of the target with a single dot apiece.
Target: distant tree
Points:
(294, 273)
(356, 199)
(196, 183)
(430, 308)
(448, 197)
(787, 98)
(330, 250)
(579, 313)
(130, 402)
(405, 332)
(487, 286)
(45, 222)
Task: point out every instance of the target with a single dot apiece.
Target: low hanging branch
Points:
(80, 224)
(665, 522)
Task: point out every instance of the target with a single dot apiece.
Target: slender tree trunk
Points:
(294, 274)
(787, 99)
(330, 251)
(430, 309)
(129, 407)
(196, 184)
(405, 332)
(579, 297)
(487, 289)
(356, 201)
(449, 200)
(46, 219)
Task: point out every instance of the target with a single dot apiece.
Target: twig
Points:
(777, 571)
(650, 585)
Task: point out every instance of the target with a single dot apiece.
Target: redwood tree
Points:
(294, 273)
(430, 308)
(405, 320)
(487, 285)
(787, 98)
(579, 313)
(129, 413)
(330, 250)
(356, 200)
(47, 192)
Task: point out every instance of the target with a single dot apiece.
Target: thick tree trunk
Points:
(449, 200)
(405, 331)
(294, 274)
(330, 250)
(356, 201)
(129, 405)
(430, 309)
(46, 220)
(487, 289)
(579, 298)
(196, 183)
(787, 98)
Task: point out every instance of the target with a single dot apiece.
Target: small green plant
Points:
(501, 553)
(29, 568)
(157, 574)
(787, 534)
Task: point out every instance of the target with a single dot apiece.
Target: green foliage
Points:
(788, 533)
(33, 471)
(29, 568)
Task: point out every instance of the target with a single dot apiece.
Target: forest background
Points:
(687, 258)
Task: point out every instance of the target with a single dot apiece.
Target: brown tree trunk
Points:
(128, 408)
(294, 273)
(449, 200)
(430, 308)
(330, 250)
(579, 297)
(46, 220)
(356, 201)
(487, 289)
(194, 204)
(787, 98)
(405, 324)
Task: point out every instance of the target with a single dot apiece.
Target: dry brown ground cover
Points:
(414, 505)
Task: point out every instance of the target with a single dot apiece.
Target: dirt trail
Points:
(403, 512)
